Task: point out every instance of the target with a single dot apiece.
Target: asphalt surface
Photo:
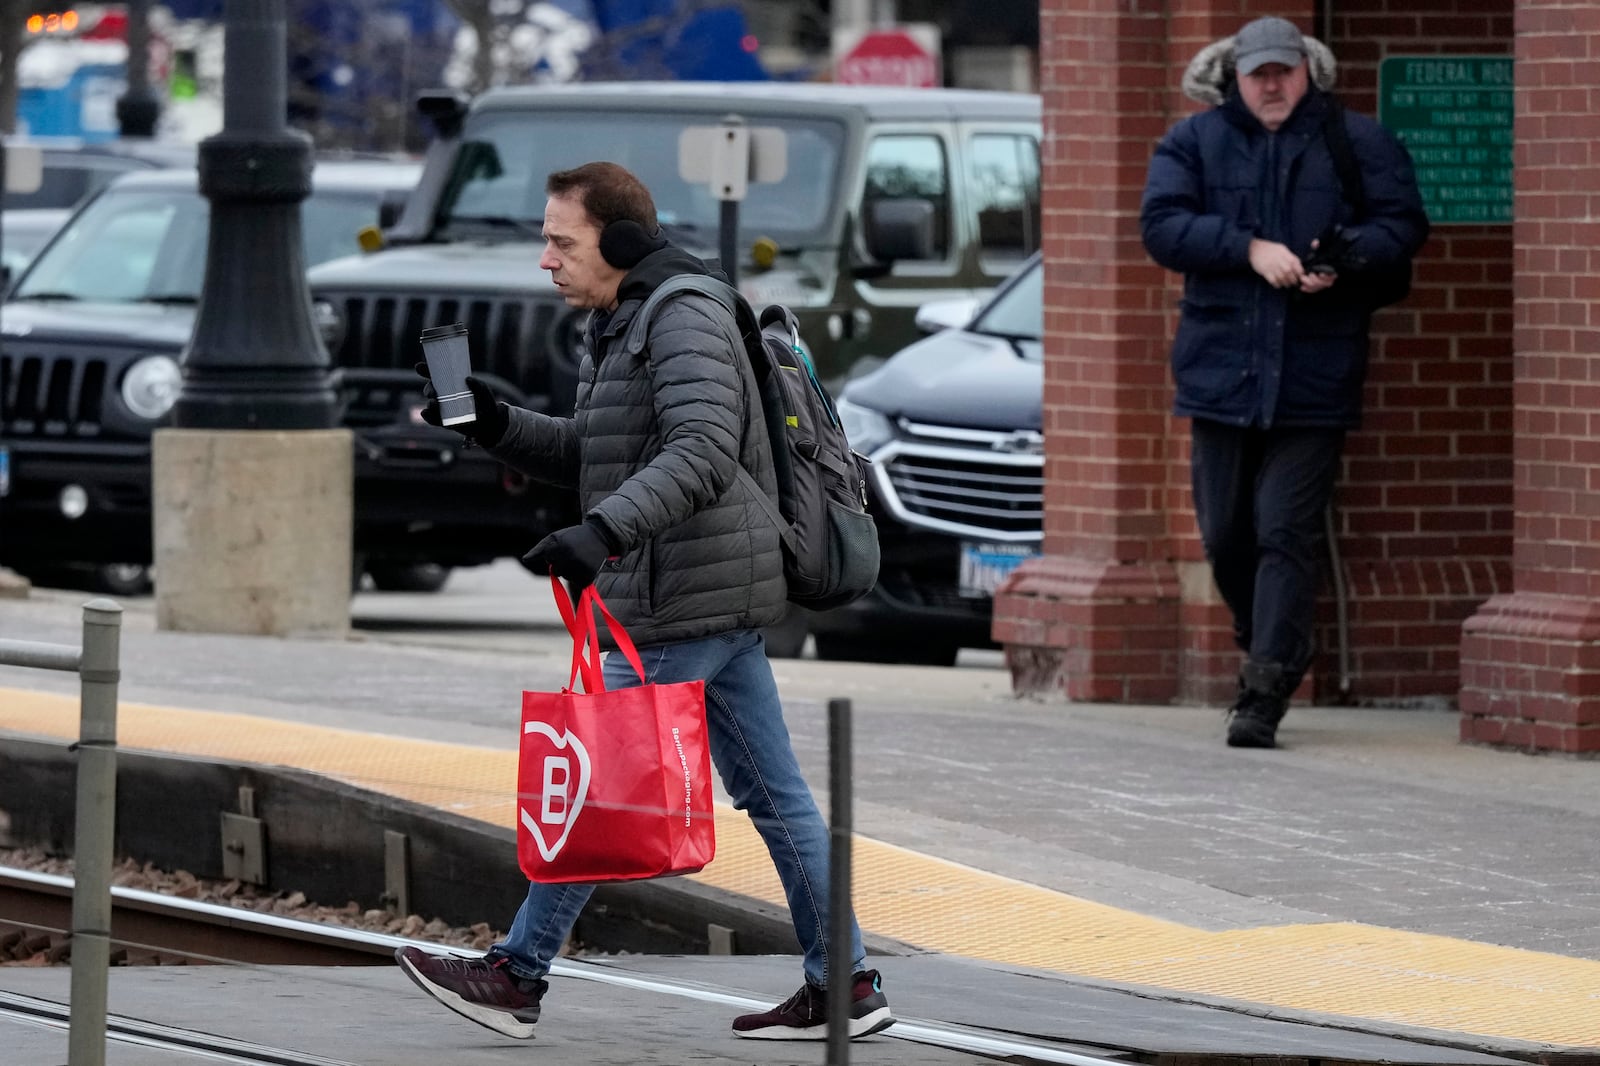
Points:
(1364, 815)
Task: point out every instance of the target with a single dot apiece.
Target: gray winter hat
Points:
(1267, 40)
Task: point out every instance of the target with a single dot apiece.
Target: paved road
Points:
(1370, 816)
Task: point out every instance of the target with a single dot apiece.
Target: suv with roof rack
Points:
(891, 198)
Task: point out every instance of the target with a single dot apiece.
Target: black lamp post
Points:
(138, 108)
(255, 360)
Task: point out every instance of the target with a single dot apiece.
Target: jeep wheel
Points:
(838, 647)
(408, 577)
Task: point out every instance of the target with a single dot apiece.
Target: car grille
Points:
(531, 342)
(50, 394)
(968, 483)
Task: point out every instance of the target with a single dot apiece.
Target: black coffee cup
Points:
(449, 363)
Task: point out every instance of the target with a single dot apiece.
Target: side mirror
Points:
(900, 229)
(445, 108)
(954, 313)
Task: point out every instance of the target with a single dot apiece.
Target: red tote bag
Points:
(612, 786)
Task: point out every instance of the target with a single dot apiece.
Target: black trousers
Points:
(1259, 498)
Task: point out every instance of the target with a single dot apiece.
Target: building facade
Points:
(1467, 518)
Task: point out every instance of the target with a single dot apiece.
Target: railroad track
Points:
(147, 926)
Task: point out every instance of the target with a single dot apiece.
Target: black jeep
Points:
(89, 341)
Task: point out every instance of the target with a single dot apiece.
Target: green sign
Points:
(1453, 113)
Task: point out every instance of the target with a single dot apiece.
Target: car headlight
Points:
(329, 321)
(868, 430)
(150, 387)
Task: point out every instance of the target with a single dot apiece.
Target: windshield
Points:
(1018, 311)
(503, 165)
(138, 245)
(21, 242)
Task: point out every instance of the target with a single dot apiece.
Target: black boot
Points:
(1263, 701)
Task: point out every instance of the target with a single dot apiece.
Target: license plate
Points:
(5, 471)
(985, 566)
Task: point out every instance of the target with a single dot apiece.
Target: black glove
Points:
(491, 419)
(576, 553)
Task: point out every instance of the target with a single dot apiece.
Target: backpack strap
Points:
(785, 530)
(638, 331)
(1344, 157)
(637, 334)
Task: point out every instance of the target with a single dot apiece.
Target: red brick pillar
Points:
(1099, 616)
(1530, 660)
(1096, 616)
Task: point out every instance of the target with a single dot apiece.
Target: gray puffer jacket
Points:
(653, 448)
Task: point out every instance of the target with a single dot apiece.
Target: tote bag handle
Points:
(581, 625)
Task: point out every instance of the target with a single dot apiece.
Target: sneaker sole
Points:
(500, 1021)
(867, 1024)
(875, 1022)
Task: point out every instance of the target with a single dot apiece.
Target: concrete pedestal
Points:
(253, 531)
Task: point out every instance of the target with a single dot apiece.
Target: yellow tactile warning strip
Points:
(1338, 968)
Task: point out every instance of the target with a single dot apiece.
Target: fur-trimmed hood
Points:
(1210, 72)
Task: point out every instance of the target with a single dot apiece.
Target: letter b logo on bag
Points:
(563, 793)
(557, 773)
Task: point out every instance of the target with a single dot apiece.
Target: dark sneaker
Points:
(804, 1015)
(1253, 721)
(481, 989)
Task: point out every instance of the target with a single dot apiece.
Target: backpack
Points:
(1382, 285)
(830, 543)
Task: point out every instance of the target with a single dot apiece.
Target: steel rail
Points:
(297, 936)
(51, 1015)
(203, 932)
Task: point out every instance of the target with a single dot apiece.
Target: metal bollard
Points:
(95, 828)
(94, 832)
(840, 908)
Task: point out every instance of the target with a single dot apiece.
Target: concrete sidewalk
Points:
(1374, 873)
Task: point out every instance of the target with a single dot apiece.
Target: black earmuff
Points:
(624, 243)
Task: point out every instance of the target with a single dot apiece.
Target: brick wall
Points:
(1424, 520)
(1531, 659)
(1424, 503)
(1096, 615)
(1104, 389)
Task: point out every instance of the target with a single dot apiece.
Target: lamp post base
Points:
(253, 531)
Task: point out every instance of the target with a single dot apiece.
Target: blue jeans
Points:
(750, 747)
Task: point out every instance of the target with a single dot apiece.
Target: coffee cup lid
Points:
(439, 333)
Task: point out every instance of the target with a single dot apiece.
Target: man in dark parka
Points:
(1270, 355)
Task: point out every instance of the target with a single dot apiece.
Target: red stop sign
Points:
(888, 57)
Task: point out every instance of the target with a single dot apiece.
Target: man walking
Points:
(687, 561)
(1289, 219)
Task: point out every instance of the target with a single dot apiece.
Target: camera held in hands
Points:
(1334, 252)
